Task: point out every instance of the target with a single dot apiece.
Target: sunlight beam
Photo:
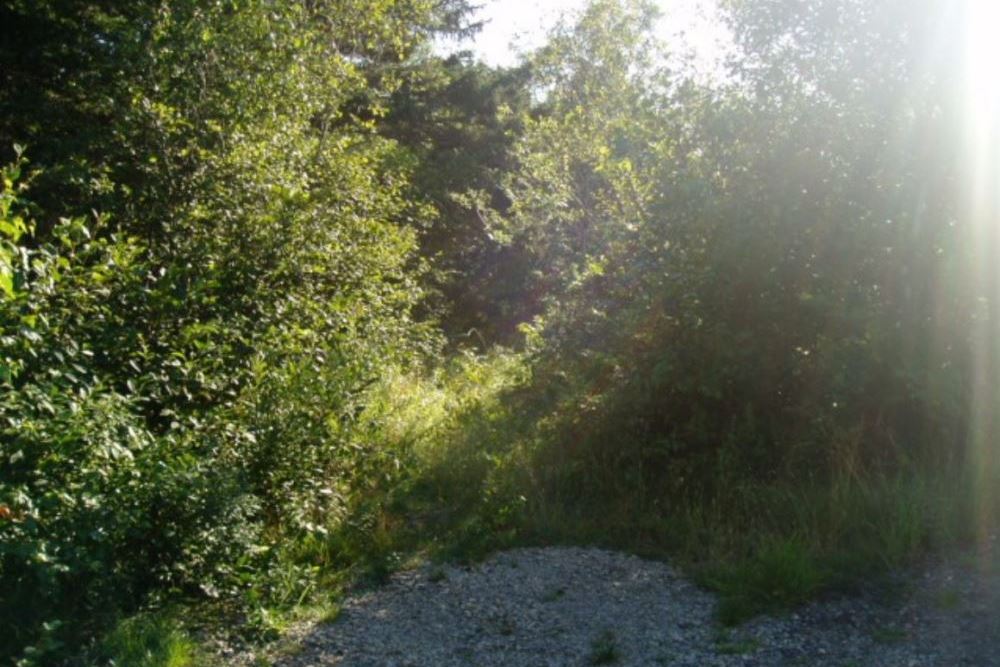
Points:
(982, 155)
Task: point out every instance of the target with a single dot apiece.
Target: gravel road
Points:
(556, 607)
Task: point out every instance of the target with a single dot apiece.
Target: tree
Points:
(459, 118)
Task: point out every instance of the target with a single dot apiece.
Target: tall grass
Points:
(474, 457)
(485, 463)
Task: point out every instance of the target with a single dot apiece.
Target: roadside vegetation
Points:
(288, 302)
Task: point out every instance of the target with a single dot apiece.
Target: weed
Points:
(604, 649)
(553, 594)
(738, 647)
(780, 575)
(504, 624)
(329, 614)
(947, 599)
(889, 635)
(725, 644)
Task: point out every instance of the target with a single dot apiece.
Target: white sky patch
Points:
(514, 27)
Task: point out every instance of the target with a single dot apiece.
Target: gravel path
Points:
(572, 607)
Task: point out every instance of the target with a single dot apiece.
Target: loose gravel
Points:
(556, 607)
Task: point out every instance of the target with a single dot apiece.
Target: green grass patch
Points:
(780, 575)
(553, 594)
(151, 640)
(889, 635)
(725, 644)
(947, 600)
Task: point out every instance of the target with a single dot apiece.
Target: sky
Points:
(513, 26)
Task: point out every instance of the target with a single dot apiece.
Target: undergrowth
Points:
(468, 443)
(151, 640)
(475, 435)
(472, 437)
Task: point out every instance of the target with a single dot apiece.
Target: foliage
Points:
(183, 375)
(756, 318)
(757, 296)
(97, 507)
(151, 640)
(460, 118)
(739, 288)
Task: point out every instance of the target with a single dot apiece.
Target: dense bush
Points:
(184, 369)
(743, 287)
(99, 508)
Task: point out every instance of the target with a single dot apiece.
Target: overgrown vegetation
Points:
(286, 301)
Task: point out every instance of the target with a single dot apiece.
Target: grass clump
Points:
(725, 644)
(604, 649)
(553, 594)
(947, 600)
(780, 575)
(889, 635)
(151, 640)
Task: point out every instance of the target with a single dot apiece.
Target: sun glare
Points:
(982, 150)
(983, 87)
